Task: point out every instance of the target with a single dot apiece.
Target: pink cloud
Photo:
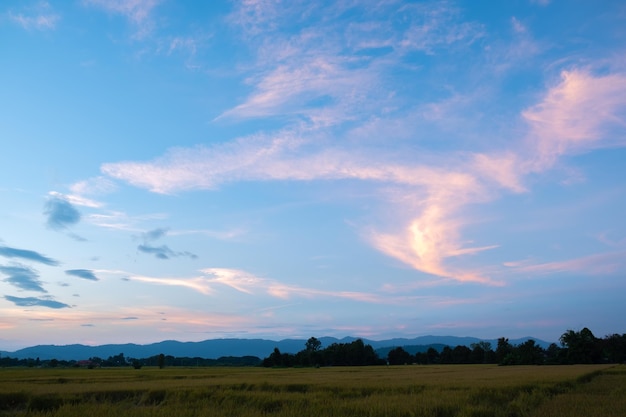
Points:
(596, 264)
(199, 284)
(575, 116)
(250, 284)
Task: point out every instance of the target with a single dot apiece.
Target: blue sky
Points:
(198, 170)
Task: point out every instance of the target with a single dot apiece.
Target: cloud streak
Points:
(23, 278)
(36, 302)
(163, 251)
(9, 252)
(82, 273)
(596, 264)
(250, 284)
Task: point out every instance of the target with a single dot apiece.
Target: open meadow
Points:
(375, 391)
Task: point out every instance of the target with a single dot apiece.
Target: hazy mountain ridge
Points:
(215, 348)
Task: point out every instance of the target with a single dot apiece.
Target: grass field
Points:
(433, 391)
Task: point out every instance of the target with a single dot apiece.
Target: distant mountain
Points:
(215, 348)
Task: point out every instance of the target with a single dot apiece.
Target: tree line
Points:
(356, 353)
(577, 347)
(121, 361)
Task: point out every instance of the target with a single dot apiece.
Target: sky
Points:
(287, 169)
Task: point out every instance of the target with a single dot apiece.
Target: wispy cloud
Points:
(331, 92)
(35, 302)
(199, 284)
(22, 277)
(596, 264)
(82, 273)
(60, 213)
(38, 17)
(250, 284)
(163, 251)
(576, 115)
(91, 186)
(329, 68)
(9, 252)
(154, 234)
(138, 12)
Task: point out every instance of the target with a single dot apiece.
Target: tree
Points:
(461, 354)
(614, 348)
(582, 346)
(503, 351)
(161, 361)
(446, 355)
(432, 356)
(554, 355)
(275, 359)
(398, 356)
(529, 353)
(312, 345)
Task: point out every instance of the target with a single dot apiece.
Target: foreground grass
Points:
(428, 391)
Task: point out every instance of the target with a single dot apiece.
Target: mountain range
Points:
(215, 348)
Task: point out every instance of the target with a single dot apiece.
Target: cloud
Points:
(435, 192)
(96, 185)
(22, 277)
(518, 26)
(136, 11)
(39, 22)
(164, 252)
(82, 273)
(248, 283)
(35, 302)
(199, 284)
(61, 213)
(576, 115)
(38, 17)
(29, 255)
(428, 192)
(328, 67)
(329, 80)
(153, 235)
(597, 264)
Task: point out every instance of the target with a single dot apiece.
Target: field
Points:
(429, 391)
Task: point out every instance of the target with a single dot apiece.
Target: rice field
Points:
(375, 391)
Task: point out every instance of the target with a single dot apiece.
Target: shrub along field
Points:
(394, 391)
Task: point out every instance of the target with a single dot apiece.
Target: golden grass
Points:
(394, 391)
